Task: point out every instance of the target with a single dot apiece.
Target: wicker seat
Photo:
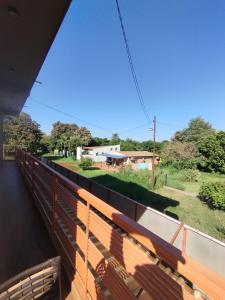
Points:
(39, 282)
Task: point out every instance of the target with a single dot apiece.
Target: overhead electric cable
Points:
(133, 72)
(70, 115)
(82, 120)
(133, 128)
(170, 125)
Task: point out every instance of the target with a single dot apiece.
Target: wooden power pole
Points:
(153, 159)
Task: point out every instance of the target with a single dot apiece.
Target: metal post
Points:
(153, 158)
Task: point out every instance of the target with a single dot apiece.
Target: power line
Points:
(70, 115)
(171, 125)
(82, 120)
(133, 72)
(133, 128)
(97, 126)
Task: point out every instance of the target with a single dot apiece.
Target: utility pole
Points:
(153, 161)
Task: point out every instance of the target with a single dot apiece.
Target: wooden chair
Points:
(39, 282)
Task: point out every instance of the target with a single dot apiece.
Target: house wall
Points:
(96, 153)
(138, 160)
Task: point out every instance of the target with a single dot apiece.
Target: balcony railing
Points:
(106, 254)
(201, 247)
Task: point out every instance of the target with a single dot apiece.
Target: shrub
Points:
(142, 177)
(191, 175)
(86, 163)
(214, 194)
(180, 164)
(160, 180)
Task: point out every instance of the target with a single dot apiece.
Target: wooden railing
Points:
(106, 254)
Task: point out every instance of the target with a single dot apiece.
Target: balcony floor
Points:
(24, 241)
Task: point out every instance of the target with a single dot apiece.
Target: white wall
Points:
(97, 152)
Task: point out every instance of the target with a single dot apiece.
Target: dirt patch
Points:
(105, 167)
(181, 192)
(69, 165)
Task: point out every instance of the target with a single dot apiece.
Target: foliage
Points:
(197, 130)
(128, 144)
(115, 139)
(97, 141)
(180, 155)
(22, 131)
(191, 175)
(69, 136)
(45, 144)
(149, 145)
(212, 149)
(86, 163)
(160, 179)
(214, 194)
(136, 176)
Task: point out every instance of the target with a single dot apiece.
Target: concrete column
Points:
(1, 138)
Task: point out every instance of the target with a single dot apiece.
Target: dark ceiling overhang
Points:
(27, 30)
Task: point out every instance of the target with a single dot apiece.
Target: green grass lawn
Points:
(175, 180)
(187, 209)
(197, 214)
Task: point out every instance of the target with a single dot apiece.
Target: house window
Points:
(96, 153)
(111, 149)
(116, 148)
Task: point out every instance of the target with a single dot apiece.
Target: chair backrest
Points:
(39, 282)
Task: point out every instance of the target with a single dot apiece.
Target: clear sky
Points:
(178, 48)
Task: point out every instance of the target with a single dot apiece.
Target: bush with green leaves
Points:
(191, 175)
(212, 148)
(86, 163)
(213, 193)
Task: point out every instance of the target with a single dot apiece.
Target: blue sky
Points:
(178, 48)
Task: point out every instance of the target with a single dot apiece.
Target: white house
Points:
(96, 153)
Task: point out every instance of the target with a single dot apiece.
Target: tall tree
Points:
(65, 136)
(22, 131)
(97, 141)
(197, 130)
(180, 155)
(212, 149)
(129, 145)
(115, 138)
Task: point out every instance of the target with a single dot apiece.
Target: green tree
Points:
(129, 145)
(69, 136)
(45, 144)
(181, 155)
(197, 130)
(148, 146)
(22, 131)
(212, 149)
(115, 138)
(97, 141)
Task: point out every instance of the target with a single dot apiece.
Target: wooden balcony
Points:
(106, 255)
(24, 240)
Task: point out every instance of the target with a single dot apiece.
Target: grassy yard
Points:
(175, 180)
(187, 209)
(197, 214)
